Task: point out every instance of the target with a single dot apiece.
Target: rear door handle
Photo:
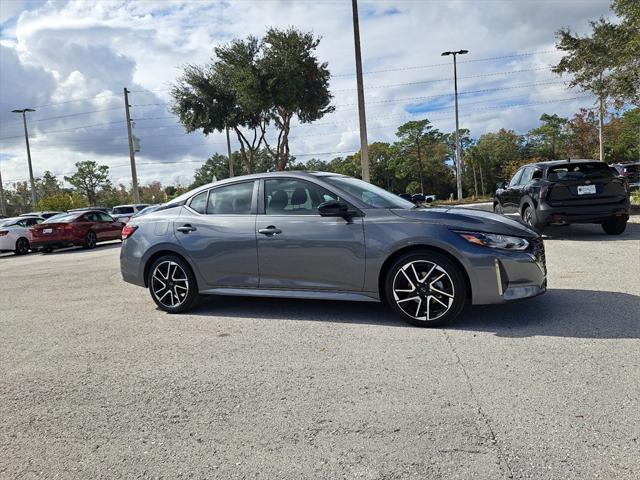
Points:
(270, 230)
(186, 228)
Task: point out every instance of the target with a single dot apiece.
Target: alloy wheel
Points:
(169, 284)
(528, 217)
(22, 246)
(423, 290)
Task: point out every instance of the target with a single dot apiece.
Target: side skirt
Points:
(280, 293)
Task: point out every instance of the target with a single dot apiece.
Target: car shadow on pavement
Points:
(79, 250)
(373, 313)
(559, 313)
(590, 232)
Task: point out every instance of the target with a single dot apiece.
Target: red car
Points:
(85, 229)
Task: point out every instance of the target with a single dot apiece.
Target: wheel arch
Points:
(162, 253)
(414, 249)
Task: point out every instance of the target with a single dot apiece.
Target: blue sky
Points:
(71, 60)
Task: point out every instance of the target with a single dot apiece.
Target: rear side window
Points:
(104, 217)
(578, 171)
(122, 210)
(231, 199)
(199, 202)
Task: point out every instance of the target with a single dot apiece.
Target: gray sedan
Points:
(327, 236)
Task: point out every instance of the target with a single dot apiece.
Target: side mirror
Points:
(500, 185)
(334, 208)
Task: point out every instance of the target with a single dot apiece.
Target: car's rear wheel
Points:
(529, 217)
(90, 240)
(172, 284)
(426, 289)
(614, 226)
(22, 246)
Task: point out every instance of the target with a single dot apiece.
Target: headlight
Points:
(493, 240)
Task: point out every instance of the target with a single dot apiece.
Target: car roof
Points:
(553, 163)
(308, 174)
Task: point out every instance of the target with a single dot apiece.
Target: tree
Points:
(548, 138)
(216, 166)
(494, 151)
(90, 178)
(47, 185)
(623, 133)
(606, 62)
(582, 135)
(252, 83)
(297, 84)
(413, 139)
(62, 201)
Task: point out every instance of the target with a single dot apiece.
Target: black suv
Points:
(561, 192)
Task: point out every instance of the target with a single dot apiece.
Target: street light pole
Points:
(26, 139)
(458, 150)
(3, 209)
(364, 145)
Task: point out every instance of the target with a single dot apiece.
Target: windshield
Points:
(63, 218)
(374, 197)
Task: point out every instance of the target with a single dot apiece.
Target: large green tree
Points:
(413, 139)
(89, 179)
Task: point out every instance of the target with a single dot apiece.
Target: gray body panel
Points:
(327, 257)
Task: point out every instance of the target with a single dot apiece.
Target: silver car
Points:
(319, 235)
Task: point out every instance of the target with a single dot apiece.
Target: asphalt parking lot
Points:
(97, 383)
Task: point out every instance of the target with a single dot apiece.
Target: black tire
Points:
(90, 240)
(440, 299)
(614, 226)
(497, 208)
(22, 246)
(167, 286)
(530, 219)
(46, 249)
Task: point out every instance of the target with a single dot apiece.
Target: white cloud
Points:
(70, 58)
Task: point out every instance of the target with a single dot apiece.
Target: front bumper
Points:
(507, 276)
(552, 215)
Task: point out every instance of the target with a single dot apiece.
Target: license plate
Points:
(47, 230)
(586, 189)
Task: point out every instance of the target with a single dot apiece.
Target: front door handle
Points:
(186, 228)
(270, 230)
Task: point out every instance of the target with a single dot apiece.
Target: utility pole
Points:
(26, 139)
(364, 145)
(229, 152)
(601, 127)
(458, 152)
(132, 155)
(3, 208)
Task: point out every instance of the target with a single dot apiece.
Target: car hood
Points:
(468, 219)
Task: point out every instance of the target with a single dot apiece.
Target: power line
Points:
(417, 67)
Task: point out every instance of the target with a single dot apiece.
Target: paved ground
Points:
(97, 383)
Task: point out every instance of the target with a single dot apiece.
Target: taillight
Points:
(128, 230)
(544, 189)
(3, 233)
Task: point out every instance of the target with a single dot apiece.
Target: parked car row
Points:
(46, 231)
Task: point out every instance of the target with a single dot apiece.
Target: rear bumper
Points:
(547, 214)
(38, 244)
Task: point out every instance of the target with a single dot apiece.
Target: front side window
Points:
(231, 199)
(515, 180)
(294, 197)
(526, 176)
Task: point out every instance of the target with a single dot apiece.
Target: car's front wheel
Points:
(172, 284)
(22, 246)
(426, 289)
(614, 226)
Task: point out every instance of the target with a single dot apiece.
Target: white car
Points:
(123, 213)
(14, 234)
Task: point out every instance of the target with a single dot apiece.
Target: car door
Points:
(217, 229)
(513, 193)
(298, 248)
(110, 228)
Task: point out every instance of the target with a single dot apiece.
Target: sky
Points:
(70, 60)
